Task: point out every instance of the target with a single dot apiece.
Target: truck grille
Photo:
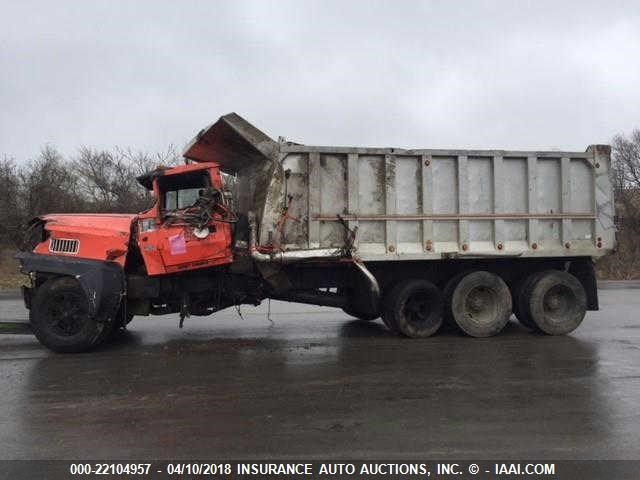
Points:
(64, 245)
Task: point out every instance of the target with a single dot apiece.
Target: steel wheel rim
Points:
(66, 313)
(558, 303)
(418, 309)
(481, 305)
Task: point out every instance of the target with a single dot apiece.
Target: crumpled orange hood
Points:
(93, 223)
(102, 236)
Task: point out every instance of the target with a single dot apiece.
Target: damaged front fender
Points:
(102, 282)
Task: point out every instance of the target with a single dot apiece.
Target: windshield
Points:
(182, 191)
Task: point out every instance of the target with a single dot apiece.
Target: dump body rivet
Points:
(392, 248)
(534, 246)
(427, 163)
(464, 246)
(567, 245)
(500, 246)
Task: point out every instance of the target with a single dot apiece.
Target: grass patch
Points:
(10, 276)
(14, 328)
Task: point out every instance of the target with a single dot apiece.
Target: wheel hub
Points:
(65, 314)
(478, 300)
(480, 304)
(557, 302)
(476, 303)
(553, 302)
(418, 308)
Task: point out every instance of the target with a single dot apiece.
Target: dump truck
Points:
(418, 238)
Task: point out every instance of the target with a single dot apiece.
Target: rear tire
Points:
(60, 317)
(353, 312)
(555, 301)
(481, 304)
(449, 288)
(520, 308)
(414, 308)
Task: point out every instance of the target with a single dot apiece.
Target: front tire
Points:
(60, 317)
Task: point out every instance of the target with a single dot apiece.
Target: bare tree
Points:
(626, 177)
(107, 179)
(143, 162)
(49, 185)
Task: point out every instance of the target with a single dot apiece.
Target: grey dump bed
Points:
(417, 204)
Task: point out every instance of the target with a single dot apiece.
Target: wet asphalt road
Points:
(316, 384)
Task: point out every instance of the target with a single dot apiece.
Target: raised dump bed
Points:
(419, 204)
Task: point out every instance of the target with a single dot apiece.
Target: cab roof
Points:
(146, 180)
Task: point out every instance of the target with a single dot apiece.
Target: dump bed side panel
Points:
(416, 204)
(433, 203)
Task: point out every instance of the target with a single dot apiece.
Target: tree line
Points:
(93, 180)
(625, 176)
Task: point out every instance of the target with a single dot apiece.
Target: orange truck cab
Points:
(175, 235)
(161, 234)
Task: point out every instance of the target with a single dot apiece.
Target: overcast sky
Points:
(403, 74)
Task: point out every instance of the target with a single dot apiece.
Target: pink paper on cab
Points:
(177, 244)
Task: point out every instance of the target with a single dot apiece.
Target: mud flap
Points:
(584, 271)
(102, 282)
